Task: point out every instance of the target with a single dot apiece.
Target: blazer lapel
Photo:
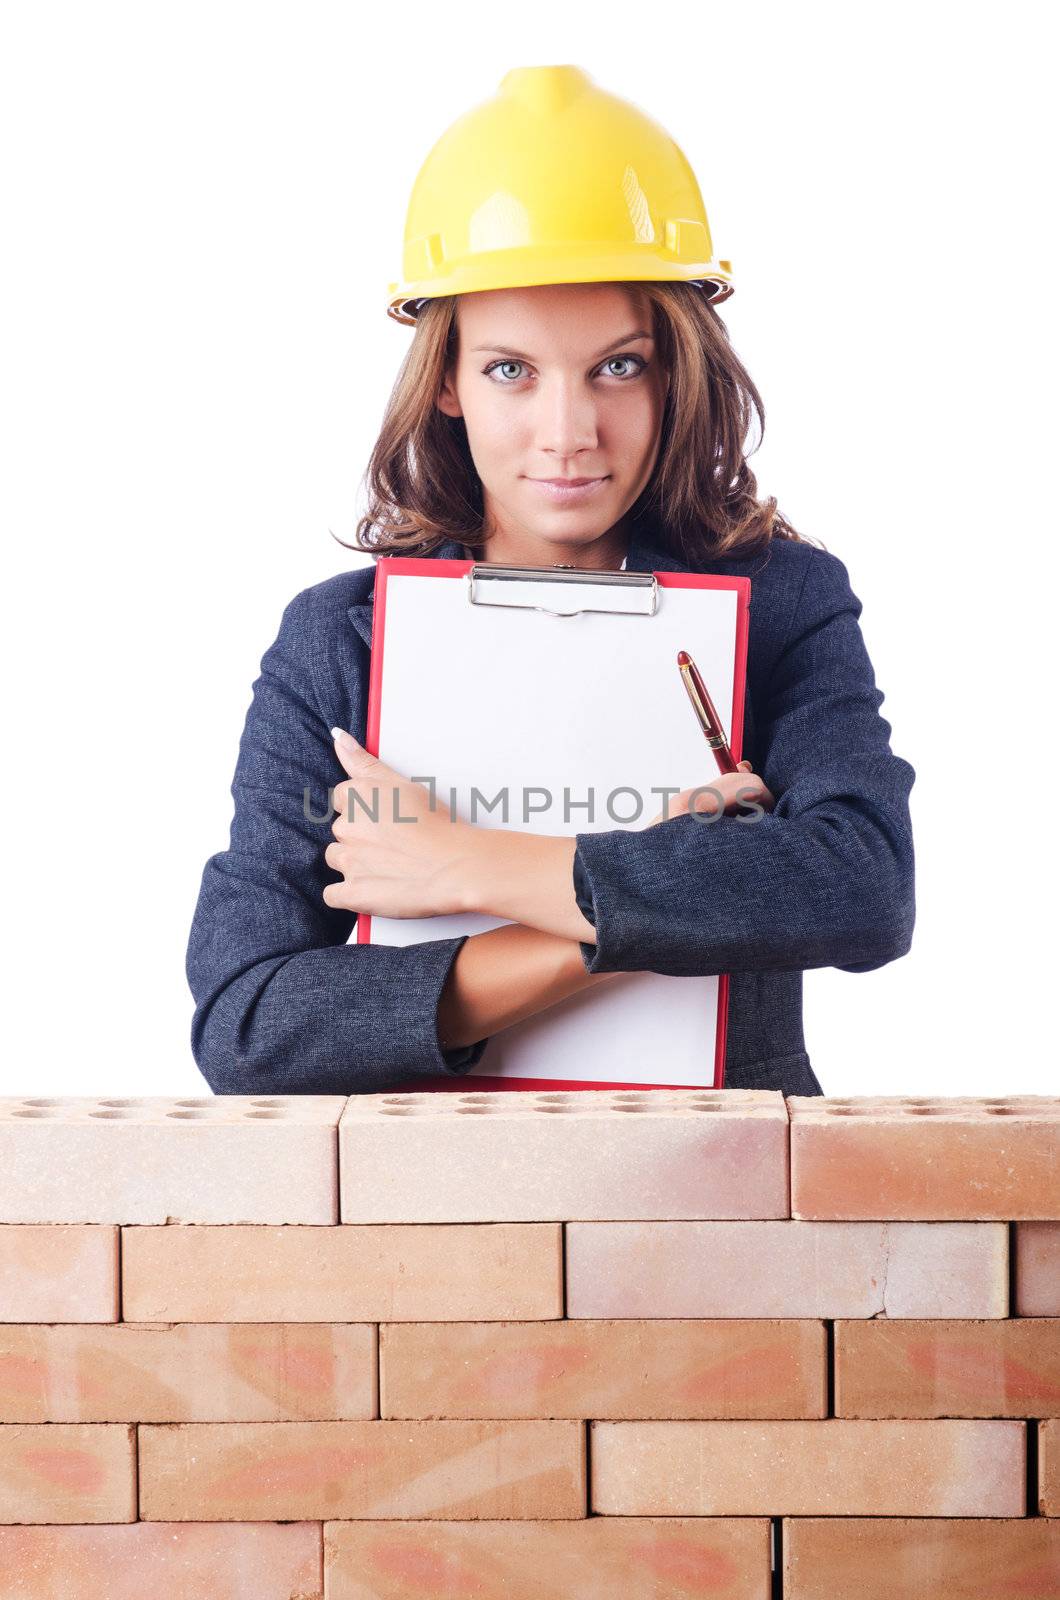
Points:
(361, 617)
(645, 555)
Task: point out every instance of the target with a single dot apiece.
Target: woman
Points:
(511, 382)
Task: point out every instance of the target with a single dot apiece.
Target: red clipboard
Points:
(408, 566)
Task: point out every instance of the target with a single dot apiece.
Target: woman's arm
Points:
(526, 877)
(283, 1003)
(825, 879)
(504, 976)
(532, 879)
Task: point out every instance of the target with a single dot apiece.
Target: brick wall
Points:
(598, 1344)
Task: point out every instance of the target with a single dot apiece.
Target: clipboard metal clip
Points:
(638, 591)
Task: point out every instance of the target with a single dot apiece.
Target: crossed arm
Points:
(507, 974)
(402, 856)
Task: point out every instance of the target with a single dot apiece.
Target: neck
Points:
(603, 552)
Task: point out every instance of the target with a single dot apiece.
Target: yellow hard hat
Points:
(553, 181)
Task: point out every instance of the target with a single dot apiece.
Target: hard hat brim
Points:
(404, 300)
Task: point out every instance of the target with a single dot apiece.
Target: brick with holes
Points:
(151, 1159)
(587, 1154)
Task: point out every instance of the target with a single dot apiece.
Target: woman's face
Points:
(551, 385)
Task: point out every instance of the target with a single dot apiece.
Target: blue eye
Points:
(511, 361)
(611, 359)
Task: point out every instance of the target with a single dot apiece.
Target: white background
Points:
(202, 207)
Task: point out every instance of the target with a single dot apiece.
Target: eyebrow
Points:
(520, 355)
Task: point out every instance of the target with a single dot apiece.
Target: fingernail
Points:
(342, 736)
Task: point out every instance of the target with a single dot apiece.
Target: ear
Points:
(447, 400)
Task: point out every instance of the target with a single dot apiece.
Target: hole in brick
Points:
(187, 1114)
(999, 1111)
(705, 1105)
(32, 1113)
(628, 1106)
(473, 1111)
(397, 1111)
(42, 1102)
(908, 1102)
(843, 1111)
(922, 1111)
(182, 1102)
(265, 1114)
(633, 1094)
(551, 1110)
(542, 1099)
(253, 1102)
(478, 1098)
(138, 1102)
(110, 1113)
(402, 1099)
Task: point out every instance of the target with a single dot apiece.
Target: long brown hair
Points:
(423, 488)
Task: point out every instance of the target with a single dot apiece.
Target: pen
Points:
(706, 715)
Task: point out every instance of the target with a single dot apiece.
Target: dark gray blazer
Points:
(284, 1005)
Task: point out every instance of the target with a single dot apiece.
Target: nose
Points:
(566, 421)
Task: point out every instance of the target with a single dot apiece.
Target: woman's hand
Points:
(399, 856)
(728, 791)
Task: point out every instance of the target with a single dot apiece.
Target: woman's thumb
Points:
(350, 753)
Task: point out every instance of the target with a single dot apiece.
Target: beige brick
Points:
(1037, 1269)
(64, 1273)
(207, 1372)
(343, 1274)
(67, 1472)
(513, 1156)
(786, 1269)
(1049, 1468)
(604, 1369)
(829, 1468)
(953, 1159)
(599, 1558)
(295, 1470)
(1008, 1368)
(173, 1560)
(921, 1558)
(228, 1158)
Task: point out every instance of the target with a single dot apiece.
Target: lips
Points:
(567, 491)
(568, 483)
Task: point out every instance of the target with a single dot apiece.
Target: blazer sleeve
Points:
(283, 1004)
(824, 880)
